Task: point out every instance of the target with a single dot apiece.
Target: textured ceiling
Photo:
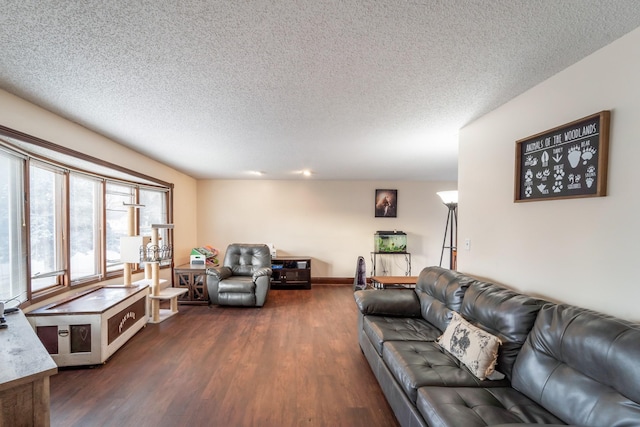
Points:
(350, 89)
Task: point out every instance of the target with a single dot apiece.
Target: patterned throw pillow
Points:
(474, 347)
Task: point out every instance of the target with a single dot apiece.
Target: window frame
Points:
(98, 205)
(17, 262)
(119, 266)
(60, 269)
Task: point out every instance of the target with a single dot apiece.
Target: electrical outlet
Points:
(467, 244)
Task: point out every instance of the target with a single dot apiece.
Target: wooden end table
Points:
(194, 278)
(394, 282)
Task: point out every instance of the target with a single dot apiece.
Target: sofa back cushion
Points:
(244, 259)
(504, 313)
(582, 366)
(440, 292)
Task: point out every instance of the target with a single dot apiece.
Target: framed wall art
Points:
(565, 162)
(386, 203)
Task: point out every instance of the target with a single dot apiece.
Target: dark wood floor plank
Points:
(294, 362)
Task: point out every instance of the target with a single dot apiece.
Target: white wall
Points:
(21, 115)
(580, 251)
(331, 221)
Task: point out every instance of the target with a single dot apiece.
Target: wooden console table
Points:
(25, 368)
(291, 272)
(193, 278)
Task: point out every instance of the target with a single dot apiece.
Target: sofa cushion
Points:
(380, 329)
(504, 313)
(415, 364)
(583, 366)
(440, 292)
(237, 284)
(479, 407)
(474, 347)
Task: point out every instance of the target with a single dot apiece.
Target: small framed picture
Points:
(386, 203)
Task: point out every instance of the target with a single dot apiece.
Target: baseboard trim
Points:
(332, 280)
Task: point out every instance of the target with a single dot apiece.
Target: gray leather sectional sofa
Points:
(557, 364)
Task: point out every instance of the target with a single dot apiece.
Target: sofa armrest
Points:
(219, 273)
(264, 271)
(397, 302)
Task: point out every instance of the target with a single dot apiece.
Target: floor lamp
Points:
(450, 199)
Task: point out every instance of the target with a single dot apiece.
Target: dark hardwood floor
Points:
(294, 362)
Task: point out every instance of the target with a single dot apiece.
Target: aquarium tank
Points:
(390, 241)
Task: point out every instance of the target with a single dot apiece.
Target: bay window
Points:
(62, 214)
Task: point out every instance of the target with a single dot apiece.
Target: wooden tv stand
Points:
(291, 272)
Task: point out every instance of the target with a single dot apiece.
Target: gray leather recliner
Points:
(245, 277)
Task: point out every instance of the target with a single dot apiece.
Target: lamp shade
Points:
(130, 247)
(448, 197)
